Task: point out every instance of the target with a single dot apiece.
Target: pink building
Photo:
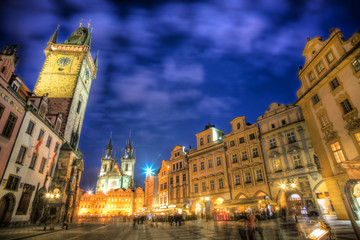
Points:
(12, 103)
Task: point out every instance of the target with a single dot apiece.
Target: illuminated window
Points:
(346, 106)
(297, 160)
(357, 136)
(277, 165)
(334, 84)
(356, 64)
(324, 120)
(311, 76)
(237, 179)
(338, 153)
(329, 57)
(319, 67)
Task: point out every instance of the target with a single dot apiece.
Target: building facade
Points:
(151, 191)
(330, 101)
(208, 172)
(164, 184)
(179, 187)
(294, 179)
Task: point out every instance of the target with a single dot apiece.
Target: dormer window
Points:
(15, 86)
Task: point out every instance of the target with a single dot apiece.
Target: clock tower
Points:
(66, 77)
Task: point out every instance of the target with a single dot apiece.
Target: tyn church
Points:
(111, 175)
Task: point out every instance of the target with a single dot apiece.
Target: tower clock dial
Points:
(63, 61)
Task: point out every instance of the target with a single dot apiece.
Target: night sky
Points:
(166, 67)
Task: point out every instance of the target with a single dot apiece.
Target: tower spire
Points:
(96, 60)
(54, 36)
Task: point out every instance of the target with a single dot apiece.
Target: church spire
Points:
(109, 149)
(54, 36)
(96, 60)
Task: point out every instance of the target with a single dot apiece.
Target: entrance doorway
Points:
(7, 204)
(295, 203)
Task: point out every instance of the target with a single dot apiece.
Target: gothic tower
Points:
(66, 76)
(128, 160)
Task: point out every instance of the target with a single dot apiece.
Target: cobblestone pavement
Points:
(271, 229)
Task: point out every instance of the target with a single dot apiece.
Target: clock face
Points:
(87, 74)
(63, 61)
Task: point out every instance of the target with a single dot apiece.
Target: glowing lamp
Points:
(202, 199)
(207, 198)
(48, 195)
(293, 185)
(283, 186)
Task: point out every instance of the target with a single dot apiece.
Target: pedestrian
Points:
(251, 225)
(134, 222)
(65, 225)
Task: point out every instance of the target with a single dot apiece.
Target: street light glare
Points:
(149, 170)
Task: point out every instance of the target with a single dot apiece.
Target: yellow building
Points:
(163, 184)
(208, 172)
(246, 163)
(294, 179)
(330, 101)
(115, 203)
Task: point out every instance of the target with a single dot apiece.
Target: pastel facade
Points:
(164, 184)
(330, 101)
(151, 192)
(294, 178)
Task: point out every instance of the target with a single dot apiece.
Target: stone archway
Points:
(7, 206)
(352, 193)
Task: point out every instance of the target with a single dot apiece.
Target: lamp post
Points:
(50, 198)
(206, 203)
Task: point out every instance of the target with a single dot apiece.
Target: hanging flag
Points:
(54, 157)
(38, 145)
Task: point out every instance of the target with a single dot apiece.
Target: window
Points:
(173, 167)
(221, 183)
(201, 141)
(12, 182)
(277, 165)
(177, 167)
(41, 133)
(346, 106)
(184, 178)
(241, 140)
(78, 107)
(297, 161)
(334, 84)
(2, 108)
(171, 181)
(218, 161)
(196, 189)
(272, 126)
(291, 137)
(165, 185)
(319, 67)
(212, 185)
(9, 125)
(126, 167)
(25, 199)
(338, 153)
(232, 143)
(356, 64)
(30, 127)
(161, 187)
(48, 142)
(315, 99)
(237, 179)
(329, 57)
(210, 163)
(56, 147)
(234, 158)
(252, 136)
(311, 76)
(33, 161)
(255, 152)
(238, 125)
(324, 120)
(21, 155)
(272, 142)
(202, 165)
(283, 122)
(208, 138)
(180, 165)
(177, 179)
(259, 176)
(203, 187)
(244, 156)
(247, 177)
(194, 168)
(42, 165)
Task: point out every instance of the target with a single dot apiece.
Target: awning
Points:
(244, 202)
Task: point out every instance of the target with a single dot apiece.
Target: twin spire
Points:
(109, 148)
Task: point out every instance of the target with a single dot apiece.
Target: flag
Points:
(54, 157)
(38, 145)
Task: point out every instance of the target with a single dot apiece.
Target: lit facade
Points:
(164, 184)
(151, 191)
(330, 101)
(294, 179)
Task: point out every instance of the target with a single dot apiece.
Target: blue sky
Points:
(166, 67)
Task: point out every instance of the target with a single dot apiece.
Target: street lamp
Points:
(50, 197)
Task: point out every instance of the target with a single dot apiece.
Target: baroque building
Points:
(294, 178)
(113, 177)
(330, 102)
(151, 191)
